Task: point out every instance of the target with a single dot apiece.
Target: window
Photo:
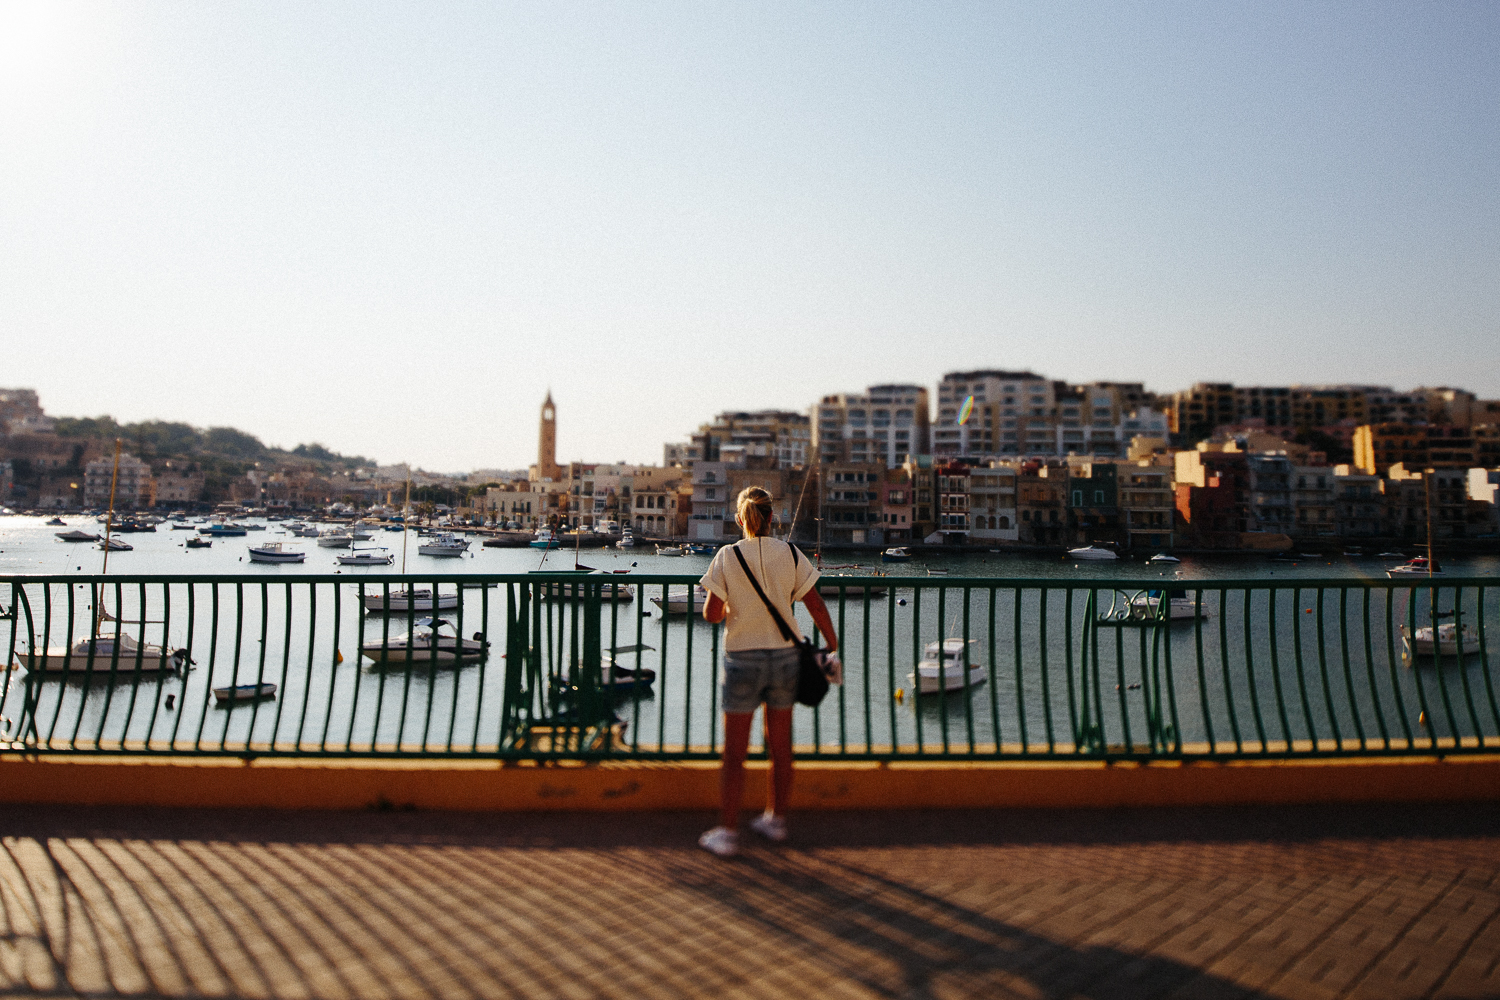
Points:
(1098, 496)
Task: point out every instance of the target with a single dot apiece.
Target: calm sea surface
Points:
(1291, 667)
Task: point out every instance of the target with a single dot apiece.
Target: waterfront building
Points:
(654, 501)
(1212, 486)
(1271, 509)
(1093, 500)
(1197, 411)
(781, 437)
(992, 504)
(1314, 503)
(1359, 502)
(1147, 502)
(1014, 414)
(851, 508)
(1484, 500)
(883, 424)
(131, 489)
(711, 501)
(897, 513)
(1410, 496)
(919, 470)
(953, 502)
(179, 486)
(1041, 498)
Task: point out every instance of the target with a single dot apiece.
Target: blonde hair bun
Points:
(754, 510)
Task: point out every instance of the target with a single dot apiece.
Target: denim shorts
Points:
(752, 676)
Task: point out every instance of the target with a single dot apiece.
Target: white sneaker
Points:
(770, 826)
(721, 841)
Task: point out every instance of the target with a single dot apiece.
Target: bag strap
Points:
(786, 632)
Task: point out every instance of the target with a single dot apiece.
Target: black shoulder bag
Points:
(812, 683)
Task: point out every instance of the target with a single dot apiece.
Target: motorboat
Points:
(182, 526)
(1451, 640)
(408, 600)
(223, 529)
(102, 652)
(627, 540)
(1182, 605)
(426, 643)
(896, 554)
(1093, 552)
(116, 545)
(619, 680)
(57, 522)
(76, 536)
(1420, 566)
(334, 539)
(700, 550)
(366, 557)
(682, 602)
(445, 544)
(608, 589)
(545, 539)
(362, 532)
(1162, 557)
(948, 672)
(670, 550)
(130, 525)
(1390, 555)
(252, 526)
(829, 586)
(198, 542)
(274, 552)
(244, 692)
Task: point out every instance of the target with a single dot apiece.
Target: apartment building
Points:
(132, 488)
(1212, 485)
(1314, 502)
(920, 474)
(179, 486)
(1411, 494)
(782, 438)
(883, 425)
(1041, 500)
(897, 510)
(1094, 502)
(992, 504)
(711, 501)
(1270, 508)
(1147, 503)
(1008, 408)
(1359, 502)
(851, 501)
(953, 502)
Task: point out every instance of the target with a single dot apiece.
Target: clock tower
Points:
(546, 450)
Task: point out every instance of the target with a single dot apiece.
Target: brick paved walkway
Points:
(1385, 902)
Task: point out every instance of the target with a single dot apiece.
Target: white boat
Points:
(680, 602)
(896, 554)
(335, 539)
(951, 673)
(116, 545)
(627, 540)
(670, 550)
(544, 539)
(1162, 557)
(362, 532)
(609, 590)
(1420, 566)
(445, 544)
(223, 529)
(1092, 552)
(244, 692)
(1182, 605)
(75, 660)
(366, 557)
(426, 643)
(273, 552)
(1419, 642)
(76, 536)
(409, 600)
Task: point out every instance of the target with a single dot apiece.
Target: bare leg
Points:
(779, 745)
(732, 771)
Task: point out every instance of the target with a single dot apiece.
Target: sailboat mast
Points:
(1427, 490)
(405, 517)
(109, 518)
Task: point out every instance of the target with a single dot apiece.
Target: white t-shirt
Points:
(748, 625)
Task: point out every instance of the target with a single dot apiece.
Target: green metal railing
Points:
(561, 665)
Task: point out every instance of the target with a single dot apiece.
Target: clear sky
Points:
(391, 227)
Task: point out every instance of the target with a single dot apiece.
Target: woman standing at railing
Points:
(760, 663)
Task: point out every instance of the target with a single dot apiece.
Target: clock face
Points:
(547, 414)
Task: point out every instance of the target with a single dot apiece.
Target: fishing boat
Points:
(445, 544)
(1092, 552)
(408, 600)
(274, 552)
(896, 554)
(682, 602)
(334, 539)
(670, 550)
(76, 536)
(366, 557)
(99, 653)
(545, 539)
(949, 672)
(198, 542)
(116, 545)
(426, 643)
(1451, 641)
(244, 692)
